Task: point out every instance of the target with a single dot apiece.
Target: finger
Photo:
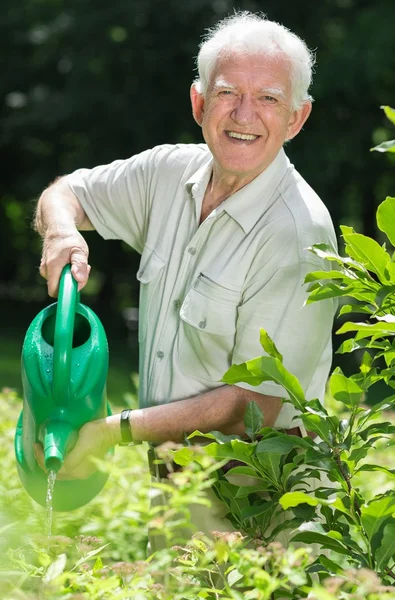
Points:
(79, 267)
(54, 278)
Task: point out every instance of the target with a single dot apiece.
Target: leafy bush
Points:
(354, 527)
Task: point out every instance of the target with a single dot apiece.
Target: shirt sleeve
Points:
(116, 197)
(302, 333)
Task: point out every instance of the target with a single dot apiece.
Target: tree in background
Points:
(86, 82)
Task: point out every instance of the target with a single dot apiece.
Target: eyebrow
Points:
(273, 91)
(221, 83)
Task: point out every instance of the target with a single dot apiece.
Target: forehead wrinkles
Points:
(258, 72)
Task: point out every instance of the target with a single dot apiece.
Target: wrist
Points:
(112, 433)
(126, 430)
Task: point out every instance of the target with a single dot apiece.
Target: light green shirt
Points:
(205, 290)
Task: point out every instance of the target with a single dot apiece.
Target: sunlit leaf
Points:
(318, 275)
(376, 512)
(56, 568)
(268, 345)
(267, 368)
(291, 499)
(386, 218)
(386, 549)
(318, 425)
(384, 147)
(345, 389)
(367, 251)
(367, 329)
(389, 113)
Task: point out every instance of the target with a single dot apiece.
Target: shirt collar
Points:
(247, 204)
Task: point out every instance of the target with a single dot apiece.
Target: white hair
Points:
(248, 33)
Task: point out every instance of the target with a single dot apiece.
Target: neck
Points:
(222, 185)
(219, 188)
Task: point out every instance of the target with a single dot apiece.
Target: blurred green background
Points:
(86, 82)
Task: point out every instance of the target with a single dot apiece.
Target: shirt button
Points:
(202, 324)
(192, 251)
(160, 354)
(177, 304)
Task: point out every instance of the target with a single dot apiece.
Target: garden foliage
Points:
(350, 528)
(324, 493)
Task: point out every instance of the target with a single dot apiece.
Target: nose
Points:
(244, 111)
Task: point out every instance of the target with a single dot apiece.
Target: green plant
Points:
(318, 481)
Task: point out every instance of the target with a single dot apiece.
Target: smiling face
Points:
(246, 114)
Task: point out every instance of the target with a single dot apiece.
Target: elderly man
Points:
(222, 229)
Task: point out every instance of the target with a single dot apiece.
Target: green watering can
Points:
(64, 371)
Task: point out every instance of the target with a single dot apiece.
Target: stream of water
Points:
(50, 488)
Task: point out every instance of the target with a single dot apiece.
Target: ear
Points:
(197, 101)
(298, 119)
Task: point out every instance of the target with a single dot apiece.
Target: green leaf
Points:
(227, 451)
(281, 444)
(386, 549)
(314, 533)
(367, 467)
(367, 330)
(385, 147)
(233, 577)
(243, 471)
(327, 252)
(376, 512)
(267, 368)
(386, 218)
(183, 456)
(384, 428)
(56, 568)
(367, 251)
(346, 309)
(318, 425)
(268, 345)
(389, 113)
(246, 490)
(291, 499)
(270, 463)
(253, 419)
(324, 292)
(330, 565)
(344, 389)
(219, 437)
(247, 372)
(257, 511)
(318, 275)
(359, 453)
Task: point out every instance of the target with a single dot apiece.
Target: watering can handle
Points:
(68, 299)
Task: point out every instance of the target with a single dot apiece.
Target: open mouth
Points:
(243, 137)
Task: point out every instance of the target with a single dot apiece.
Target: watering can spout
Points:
(58, 439)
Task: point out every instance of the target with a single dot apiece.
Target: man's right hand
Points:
(60, 250)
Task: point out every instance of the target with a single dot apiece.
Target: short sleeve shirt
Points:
(207, 289)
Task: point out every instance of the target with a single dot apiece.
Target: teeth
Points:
(242, 136)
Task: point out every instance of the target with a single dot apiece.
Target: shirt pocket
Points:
(149, 275)
(208, 329)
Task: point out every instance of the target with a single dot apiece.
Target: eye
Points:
(269, 99)
(224, 93)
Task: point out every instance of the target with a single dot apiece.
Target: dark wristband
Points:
(126, 431)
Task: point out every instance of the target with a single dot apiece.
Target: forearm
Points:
(59, 212)
(221, 409)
